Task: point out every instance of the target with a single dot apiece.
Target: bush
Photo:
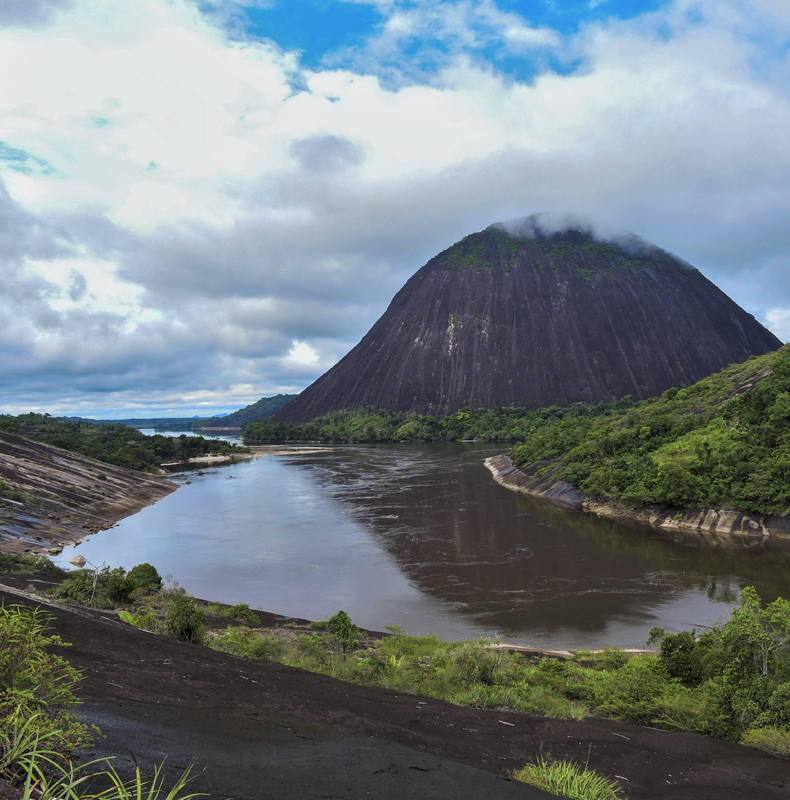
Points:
(772, 740)
(108, 588)
(142, 580)
(344, 629)
(243, 613)
(184, 619)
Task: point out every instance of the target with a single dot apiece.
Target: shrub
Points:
(345, 631)
(184, 619)
(143, 579)
(243, 613)
(772, 740)
(77, 588)
(476, 664)
(568, 780)
(35, 684)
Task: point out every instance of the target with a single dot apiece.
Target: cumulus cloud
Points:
(188, 217)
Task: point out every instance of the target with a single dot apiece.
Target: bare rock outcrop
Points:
(65, 496)
(519, 316)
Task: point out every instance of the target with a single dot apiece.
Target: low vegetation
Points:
(115, 444)
(39, 735)
(731, 682)
(569, 780)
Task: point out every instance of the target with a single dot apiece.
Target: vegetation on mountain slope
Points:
(722, 443)
(265, 407)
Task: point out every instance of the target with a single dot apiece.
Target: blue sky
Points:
(208, 201)
(319, 28)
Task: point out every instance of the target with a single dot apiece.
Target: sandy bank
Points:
(257, 452)
(719, 527)
(66, 496)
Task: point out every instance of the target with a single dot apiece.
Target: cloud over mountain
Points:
(190, 218)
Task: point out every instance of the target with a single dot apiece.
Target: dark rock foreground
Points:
(516, 316)
(259, 730)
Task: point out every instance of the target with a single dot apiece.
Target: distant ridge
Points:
(533, 314)
(261, 409)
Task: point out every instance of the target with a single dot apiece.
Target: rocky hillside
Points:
(50, 497)
(519, 316)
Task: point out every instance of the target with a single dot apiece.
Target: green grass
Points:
(569, 780)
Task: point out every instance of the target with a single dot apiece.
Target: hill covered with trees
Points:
(261, 409)
(115, 443)
(722, 443)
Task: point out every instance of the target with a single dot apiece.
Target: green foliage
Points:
(569, 780)
(722, 443)
(117, 444)
(184, 619)
(366, 424)
(243, 613)
(143, 579)
(108, 588)
(20, 564)
(742, 666)
(36, 685)
(344, 629)
(728, 680)
(772, 740)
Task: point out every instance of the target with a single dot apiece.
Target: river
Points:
(420, 536)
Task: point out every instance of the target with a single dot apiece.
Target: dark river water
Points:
(422, 537)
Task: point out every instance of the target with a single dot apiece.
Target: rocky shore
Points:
(65, 496)
(719, 527)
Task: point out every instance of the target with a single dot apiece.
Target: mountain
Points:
(523, 315)
(265, 407)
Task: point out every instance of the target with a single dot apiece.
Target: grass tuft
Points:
(569, 780)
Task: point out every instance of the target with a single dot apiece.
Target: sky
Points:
(203, 202)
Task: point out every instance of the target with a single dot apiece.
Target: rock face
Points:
(66, 495)
(520, 316)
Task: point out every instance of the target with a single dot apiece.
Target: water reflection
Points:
(516, 564)
(421, 536)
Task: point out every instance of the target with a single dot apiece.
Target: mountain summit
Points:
(531, 314)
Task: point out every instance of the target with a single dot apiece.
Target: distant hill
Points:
(157, 423)
(524, 316)
(263, 408)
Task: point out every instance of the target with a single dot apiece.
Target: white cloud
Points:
(180, 219)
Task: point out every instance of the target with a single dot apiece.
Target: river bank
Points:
(258, 451)
(61, 497)
(719, 527)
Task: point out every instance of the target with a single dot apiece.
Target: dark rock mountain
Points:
(517, 315)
